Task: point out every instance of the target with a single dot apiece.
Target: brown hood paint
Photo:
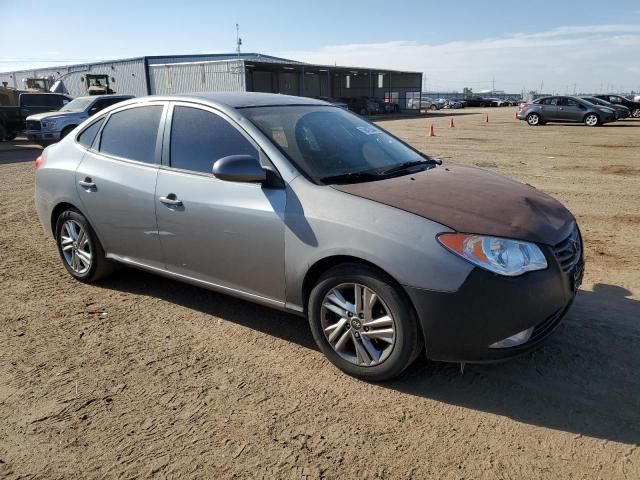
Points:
(472, 200)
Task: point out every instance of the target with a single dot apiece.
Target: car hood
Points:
(51, 115)
(473, 200)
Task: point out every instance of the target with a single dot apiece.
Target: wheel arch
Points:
(315, 271)
(57, 211)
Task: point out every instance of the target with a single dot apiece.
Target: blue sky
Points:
(592, 44)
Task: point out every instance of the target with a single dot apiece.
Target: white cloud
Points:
(590, 56)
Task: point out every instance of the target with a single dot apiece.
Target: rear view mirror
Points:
(239, 168)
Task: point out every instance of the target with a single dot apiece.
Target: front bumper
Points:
(460, 326)
(42, 135)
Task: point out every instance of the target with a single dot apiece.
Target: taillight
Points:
(522, 106)
(39, 161)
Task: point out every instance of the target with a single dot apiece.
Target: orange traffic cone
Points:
(487, 119)
(432, 133)
(451, 125)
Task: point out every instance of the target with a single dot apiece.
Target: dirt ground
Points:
(140, 376)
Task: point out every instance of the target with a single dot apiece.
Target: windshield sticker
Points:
(369, 130)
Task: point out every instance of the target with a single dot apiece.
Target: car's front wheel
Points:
(79, 248)
(363, 323)
(636, 113)
(533, 119)
(591, 120)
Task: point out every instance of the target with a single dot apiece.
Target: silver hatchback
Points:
(303, 206)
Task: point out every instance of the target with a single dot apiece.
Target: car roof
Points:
(105, 96)
(250, 99)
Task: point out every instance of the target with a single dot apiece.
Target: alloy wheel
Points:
(591, 120)
(76, 247)
(636, 113)
(533, 119)
(358, 324)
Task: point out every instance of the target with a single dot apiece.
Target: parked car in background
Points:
(636, 98)
(424, 103)
(475, 101)
(53, 126)
(498, 102)
(564, 109)
(12, 117)
(621, 110)
(364, 105)
(454, 104)
(334, 101)
(380, 264)
(620, 100)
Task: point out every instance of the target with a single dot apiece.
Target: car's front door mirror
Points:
(93, 110)
(240, 168)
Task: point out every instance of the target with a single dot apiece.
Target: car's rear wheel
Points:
(363, 323)
(433, 107)
(636, 113)
(534, 119)
(79, 248)
(591, 120)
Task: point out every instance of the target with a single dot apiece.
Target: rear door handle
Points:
(87, 184)
(171, 200)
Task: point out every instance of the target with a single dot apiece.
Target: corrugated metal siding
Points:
(223, 76)
(129, 77)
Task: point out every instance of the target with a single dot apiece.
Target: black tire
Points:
(3, 133)
(66, 131)
(534, 119)
(433, 107)
(635, 113)
(408, 342)
(100, 266)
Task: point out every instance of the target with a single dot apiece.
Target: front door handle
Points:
(171, 200)
(87, 184)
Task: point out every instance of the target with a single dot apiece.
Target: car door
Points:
(227, 234)
(549, 108)
(116, 182)
(569, 110)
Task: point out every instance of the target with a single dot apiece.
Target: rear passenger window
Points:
(87, 137)
(199, 138)
(132, 133)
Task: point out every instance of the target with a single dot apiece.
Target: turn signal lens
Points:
(498, 255)
(39, 161)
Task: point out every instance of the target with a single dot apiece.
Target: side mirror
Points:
(93, 110)
(239, 168)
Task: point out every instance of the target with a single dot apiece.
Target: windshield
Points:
(328, 143)
(77, 105)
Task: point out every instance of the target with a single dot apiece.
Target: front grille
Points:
(33, 125)
(569, 251)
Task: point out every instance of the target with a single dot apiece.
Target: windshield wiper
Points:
(407, 165)
(351, 177)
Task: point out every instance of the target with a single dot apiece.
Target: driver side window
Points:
(200, 137)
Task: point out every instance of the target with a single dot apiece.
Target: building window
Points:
(380, 80)
(348, 80)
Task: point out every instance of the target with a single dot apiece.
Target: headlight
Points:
(48, 124)
(498, 255)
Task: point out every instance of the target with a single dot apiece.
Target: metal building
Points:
(231, 72)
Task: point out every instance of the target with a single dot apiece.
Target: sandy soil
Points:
(141, 376)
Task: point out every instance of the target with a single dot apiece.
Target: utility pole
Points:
(238, 39)
(493, 85)
(541, 86)
(574, 88)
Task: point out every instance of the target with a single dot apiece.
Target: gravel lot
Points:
(140, 376)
